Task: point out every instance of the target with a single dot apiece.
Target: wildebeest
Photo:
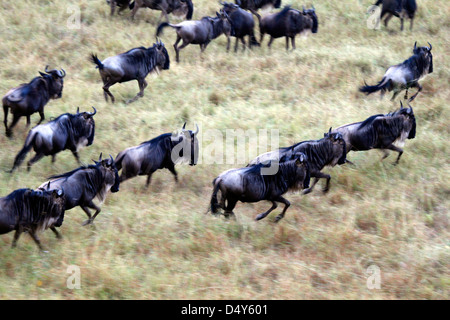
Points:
(200, 32)
(134, 64)
(66, 132)
(161, 152)
(385, 132)
(254, 5)
(178, 7)
(288, 23)
(32, 97)
(399, 8)
(32, 211)
(249, 184)
(328, 151)
(405, 75)
(242, 23)
(85, 183)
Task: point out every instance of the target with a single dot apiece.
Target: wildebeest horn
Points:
(61, 74)
(329, 130)
(92, 113)
(48, 186)
(401, 105)
(184, 126)
(112, 159)
(304, 9)
(100, 158)
(78, 110)
(46, 69)
(196, 129)
(430, 46)
(415, 45)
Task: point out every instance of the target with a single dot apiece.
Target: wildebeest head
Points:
(54, 81)
(162, 60)
(109, 171)
(425, 54)
(54, 199)
(339, 146)
(311, 15)
(86, 124)
(186, 146)
(409, 122)
(301, 161)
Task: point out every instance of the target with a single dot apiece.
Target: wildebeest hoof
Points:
(278, 218)
(88, 221)
(306, 191)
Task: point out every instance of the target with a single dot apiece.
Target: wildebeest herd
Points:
(33, 210)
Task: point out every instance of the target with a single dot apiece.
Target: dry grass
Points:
(158, 243)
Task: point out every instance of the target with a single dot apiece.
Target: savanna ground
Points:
(158, 243)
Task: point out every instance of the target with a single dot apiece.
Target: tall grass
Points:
(157, 243)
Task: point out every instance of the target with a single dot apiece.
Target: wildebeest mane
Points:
(369, 121)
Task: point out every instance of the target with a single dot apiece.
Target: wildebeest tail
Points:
(214, 203)
(190, 12)
(97, 61)
(371, 89)
(26, 148)
(162, 26)
(131, 6)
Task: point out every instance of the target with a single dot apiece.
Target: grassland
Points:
(158, 243)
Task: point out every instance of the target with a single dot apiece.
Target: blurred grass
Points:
(158, 243)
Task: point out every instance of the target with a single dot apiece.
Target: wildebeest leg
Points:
(41, 113)
(387, 19)
(416, 85)
(293, 43)
(177, 49)
(36, 158)
(149, 179)
(243, 43)
(142, 85)
(107, 92)
(399, 150)
(406, 94)
(56, 232)
(172, 169)
(75, 154)
(228, 211)
(401, 24)
(88, 213)
(135, 9)
(286, 206)
(236, 45)
(396, 92)
(5, 118)
(287, 43)
(411, 24)
(264, 214)
(270, 41)
(28, 121)
(113, 7)
(16, 236)
(317, 176)
(12, 125)
(33, 235)
(228, 43)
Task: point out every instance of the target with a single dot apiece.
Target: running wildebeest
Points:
(32, 97)
(200, 32)
(134, 64)
(254, 5)
(164, 151)
(288, 23)
(399, 8)
(32, 211)
(328, 151)
(385, 132)
(178, 7)
(242, 23)
(67, 132)
(85, 183)
(405, 75)
(249, 184)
